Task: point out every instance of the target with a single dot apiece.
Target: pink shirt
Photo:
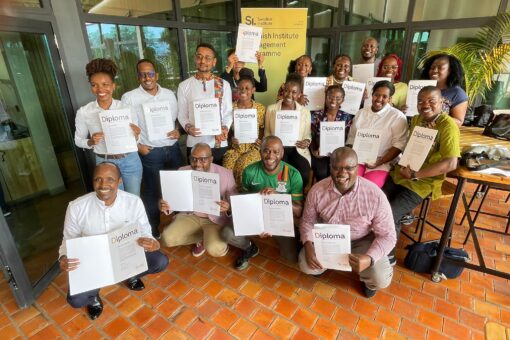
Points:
(365, 208)
(228, 188)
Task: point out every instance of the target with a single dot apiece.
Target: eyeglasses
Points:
(199, 159)
(335, 98)
(346, 168)
(204, 57)
(150, 74)
(390, 67)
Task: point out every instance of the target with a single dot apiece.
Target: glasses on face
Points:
(345, 168)
(150, 74)
(199, 159)
(204, 57)
(389, 67)
(335, 98)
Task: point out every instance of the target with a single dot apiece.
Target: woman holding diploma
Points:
(388, 123)
(341, 70)
(332, 113)
(298, 155)
(391, 67)
(89, 134)
(303, 67)
(241, 155)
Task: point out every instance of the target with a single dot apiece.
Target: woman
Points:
(303, 67)
(242, 155)
(392, 126)
(298, 156)
(89, 135)
(335, 95)
(391, 67)
(341, 70)
(447, 70)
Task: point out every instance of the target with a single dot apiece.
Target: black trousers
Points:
(293, 157)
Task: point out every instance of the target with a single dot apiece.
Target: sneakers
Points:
(199, 249)
(242, 261)
(368, 292)
(408, 219)
(392, 259)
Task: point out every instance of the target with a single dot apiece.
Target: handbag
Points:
(421, 256)
(498, 127)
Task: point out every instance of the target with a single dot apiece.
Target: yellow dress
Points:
(240, 156)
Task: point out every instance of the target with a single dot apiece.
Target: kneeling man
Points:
(100, 212)
(345, 198)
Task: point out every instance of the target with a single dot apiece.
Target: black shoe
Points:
(95, 308)
(368, 292)
(156, 234)
(392, 259)
(408, 219)
(242, 261)
(135, 283)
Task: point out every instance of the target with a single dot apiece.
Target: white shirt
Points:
(87, 123)
(88, 215)
(392, 124)
(139, 96)
(193, 89)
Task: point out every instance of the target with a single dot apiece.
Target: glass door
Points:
(39, 170)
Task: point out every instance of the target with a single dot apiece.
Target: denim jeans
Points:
(130, 171)
(160, 158)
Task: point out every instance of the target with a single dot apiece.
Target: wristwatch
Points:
(413, 176)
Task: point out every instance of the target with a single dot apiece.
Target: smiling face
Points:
(291, 92)
(342, 68)
(201, 158)
(334, 99)
(148, 78)
(369, 49)
(304, 66)
(430, 104)
(389, 68)
(271, 153)
(102, 86)
(204, 60)
(245, 90)
(344, 171)
(440, 70)
(106, 182)
(380, 98)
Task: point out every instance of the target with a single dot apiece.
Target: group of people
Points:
(345, 192)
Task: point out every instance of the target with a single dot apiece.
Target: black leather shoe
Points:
(135, 283)
(95, 308)
(368, 292)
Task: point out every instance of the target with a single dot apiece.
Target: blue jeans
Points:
(161, 158)
(130, 171)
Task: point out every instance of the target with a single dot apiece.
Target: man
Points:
(406, 188)
(103, 211)
(201, 86)
(159, 154)
(345, 198)
(268, 176)
(369, 49)
(199, 228)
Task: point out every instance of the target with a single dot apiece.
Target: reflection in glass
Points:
(320, 13)
(121, 43)
(390, 41)
(39, 174)
(154, 9)
(208, 11)
(221, 41)
(21, 3)
(453, 9)
(259, 3)
(375, 11)
(318, 49)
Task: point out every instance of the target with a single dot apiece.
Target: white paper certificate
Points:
(370, 85)
(353, 96)
(118, 135)
(361, 72)
(418, 147)
(253, 214)
(315, 90)
(245, 125)
(412, 95)
(158, 119)
(332, 136)
(105, 259)
(248, 42)
(287, 126)
(189, 190)
(366, 144)
(207, 116)
(332, 244)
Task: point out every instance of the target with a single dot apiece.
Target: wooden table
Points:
(469, 136)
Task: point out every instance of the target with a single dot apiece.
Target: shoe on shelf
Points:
(368, 292)
(408, 219)
(242, 261)
(95, 308)
(199, 249)
(135, 283)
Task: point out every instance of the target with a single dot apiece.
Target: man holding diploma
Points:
(100, 212)
(406, 188)
(155, 154)
(268, 176)
(345, 198)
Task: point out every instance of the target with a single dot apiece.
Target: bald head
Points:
(114, 167)
(343, 152)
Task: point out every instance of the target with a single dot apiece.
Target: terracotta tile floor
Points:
(207, 298)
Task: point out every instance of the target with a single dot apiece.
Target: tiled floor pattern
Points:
(207, 298)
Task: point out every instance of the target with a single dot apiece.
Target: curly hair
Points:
(295, 78)
(399, 64)
(101, 65)
(456, 76)
(335, 87)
